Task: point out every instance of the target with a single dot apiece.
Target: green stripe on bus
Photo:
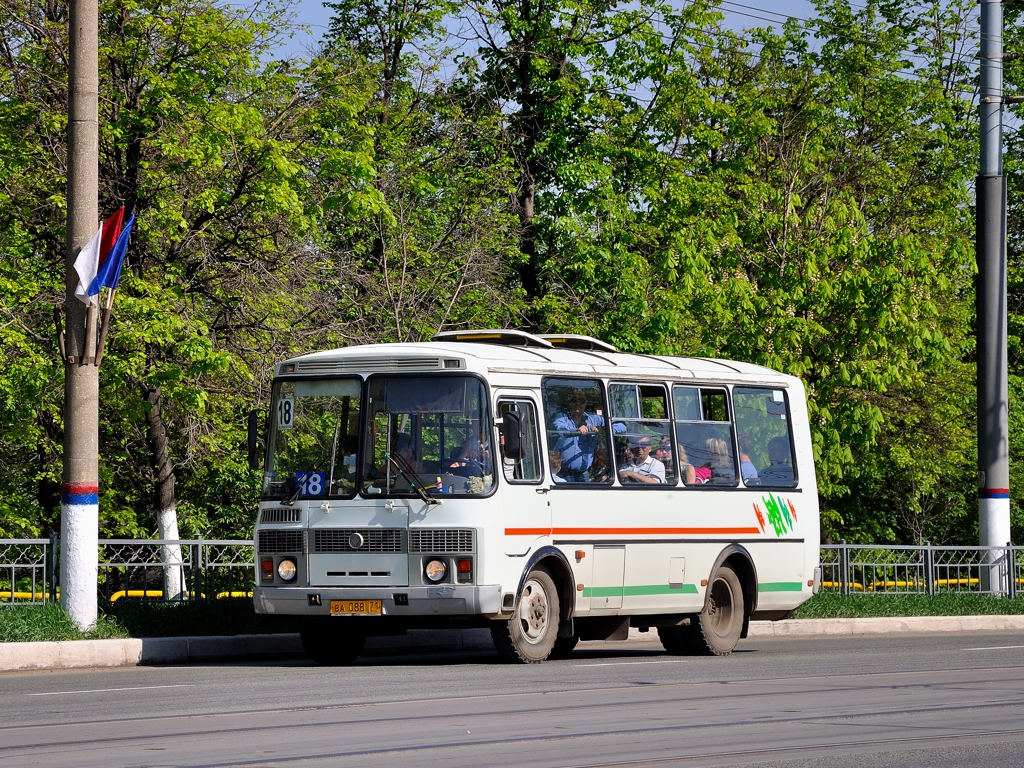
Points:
(641, 589)
(780, 586)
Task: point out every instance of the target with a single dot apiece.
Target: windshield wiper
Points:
(299, 482)
(409, 473)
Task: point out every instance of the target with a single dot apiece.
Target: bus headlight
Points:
(286, 569)
(435, 570)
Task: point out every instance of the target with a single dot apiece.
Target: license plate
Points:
(356, 607)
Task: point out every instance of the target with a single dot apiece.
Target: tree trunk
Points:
(165, 502)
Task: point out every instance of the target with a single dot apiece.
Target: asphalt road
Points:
(946, 700)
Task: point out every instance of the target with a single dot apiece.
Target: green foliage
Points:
(797, 197)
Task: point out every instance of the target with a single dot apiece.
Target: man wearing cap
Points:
(642, 467)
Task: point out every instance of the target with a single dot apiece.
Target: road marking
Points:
(996, 648)
(113, 690)
(631, 663)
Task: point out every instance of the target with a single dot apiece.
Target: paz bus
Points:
(547, 487)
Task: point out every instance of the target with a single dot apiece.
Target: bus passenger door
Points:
(525, 504)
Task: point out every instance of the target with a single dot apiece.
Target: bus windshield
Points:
(427, 434)
(313, 439)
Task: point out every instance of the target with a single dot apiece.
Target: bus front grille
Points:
(283, 542)
(441, 540)
(280, 515)
(334, 540)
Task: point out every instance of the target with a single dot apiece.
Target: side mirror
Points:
(512, 434)
(253, 440)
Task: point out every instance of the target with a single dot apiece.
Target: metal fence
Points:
(209, 569)
(132, 568)
(926, 569)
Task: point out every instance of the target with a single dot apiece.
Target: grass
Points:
(38, 623)
(153, 618)
(832, 605)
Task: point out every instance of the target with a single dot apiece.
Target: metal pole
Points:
(929, 565)
(80, 487)
(993, 397)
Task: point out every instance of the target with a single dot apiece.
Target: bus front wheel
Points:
(716, 630)
(529, 636)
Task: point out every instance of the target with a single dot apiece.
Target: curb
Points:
(78, 654)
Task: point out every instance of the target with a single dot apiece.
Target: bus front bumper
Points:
(454, 600)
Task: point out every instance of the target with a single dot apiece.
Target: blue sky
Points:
(739, 15)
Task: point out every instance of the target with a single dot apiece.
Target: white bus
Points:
(549, 488)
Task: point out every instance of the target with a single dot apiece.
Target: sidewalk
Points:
(178, 650)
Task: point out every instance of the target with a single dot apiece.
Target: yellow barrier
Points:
(8, 596)
(146, 593)
(883, 585)
(839, 585)
(957, 582)
(24, 595)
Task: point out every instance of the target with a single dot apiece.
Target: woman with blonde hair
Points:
(689, 474)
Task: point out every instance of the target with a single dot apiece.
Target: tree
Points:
(431, 249)
(210, 147)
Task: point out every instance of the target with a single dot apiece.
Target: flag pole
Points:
(101, 344)
(89, 358)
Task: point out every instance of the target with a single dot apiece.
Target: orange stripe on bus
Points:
(628, 531)
(527, 531)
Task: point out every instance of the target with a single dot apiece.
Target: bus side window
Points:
(704, 434)
(642, 410)
(762, 419)
(522, 464)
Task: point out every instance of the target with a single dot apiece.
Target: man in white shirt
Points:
(642, 467)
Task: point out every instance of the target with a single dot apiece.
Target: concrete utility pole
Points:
(993, 390)
(79, 528)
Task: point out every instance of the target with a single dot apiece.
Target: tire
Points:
(332, 643)
(530, 635)
(716, 630)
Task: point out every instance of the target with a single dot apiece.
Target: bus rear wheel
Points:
(529, 636)
(716, 630)
(332, 643)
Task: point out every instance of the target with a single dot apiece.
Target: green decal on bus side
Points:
(641, 589)
(780, 586)
(779, 513)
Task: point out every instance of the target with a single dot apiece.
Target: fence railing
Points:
(922, 569)
(189, 569)
(184, 569)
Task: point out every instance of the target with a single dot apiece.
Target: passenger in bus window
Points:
(555, 463)
(686, 469)
(641, 466)
(779, 471)
(580, 431)
(747, 469)
(600, 472)
(720, 462)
